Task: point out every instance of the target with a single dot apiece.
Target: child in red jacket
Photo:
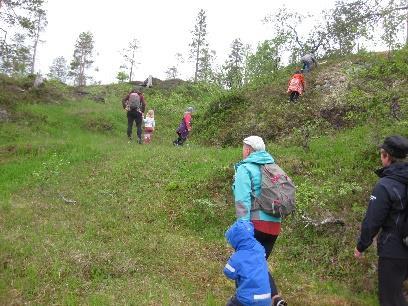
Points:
(296, 86)
(184, 128)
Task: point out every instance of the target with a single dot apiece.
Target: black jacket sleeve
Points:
(377, 212)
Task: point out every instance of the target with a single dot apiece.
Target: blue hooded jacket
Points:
(245, 170)
(248, 266)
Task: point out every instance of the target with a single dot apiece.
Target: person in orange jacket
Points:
(296, 86)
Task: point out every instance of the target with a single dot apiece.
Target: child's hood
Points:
(241, 235)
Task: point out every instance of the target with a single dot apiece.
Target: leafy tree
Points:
(205, 68)
(352, 21)
(348, 22)
(17, 20)
(234, 66)
(393, 18)
(16, 57)
(265, 61)
(129, 56)
(173, 71)
(199, 46)
(122, 76)
(19, 13)
(58, 69)
(82, 58)
(340, 29)
(290, 27)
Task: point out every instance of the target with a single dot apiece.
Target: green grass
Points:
(147, 224)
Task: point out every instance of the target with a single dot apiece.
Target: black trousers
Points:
(138, 118)
(182, 137)
(294, 95)
(391, 274)
(233, 301)
(268, 241)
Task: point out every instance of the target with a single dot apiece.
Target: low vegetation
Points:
(87, 218)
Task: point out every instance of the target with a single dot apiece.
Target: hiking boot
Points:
(139, 141)
(129, 139)
(280, 302)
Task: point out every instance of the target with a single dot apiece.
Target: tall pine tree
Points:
(82, 59)
(234, 67)
(199, 45)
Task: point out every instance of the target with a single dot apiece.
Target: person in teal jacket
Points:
(248, 182)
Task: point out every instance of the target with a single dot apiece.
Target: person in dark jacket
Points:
(134, 114)
(247, 267)
(387, 202)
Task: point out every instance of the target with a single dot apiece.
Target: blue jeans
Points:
(307, 66)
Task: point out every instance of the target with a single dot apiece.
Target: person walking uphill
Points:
(309, 61)
(247, 266)
(296, 86)
(247, 183)
(385, 215)
(184, 128)
(135, 104)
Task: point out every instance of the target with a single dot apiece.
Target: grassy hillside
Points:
(87, 218)
(340, 94)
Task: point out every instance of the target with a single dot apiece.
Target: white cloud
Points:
(162, 27)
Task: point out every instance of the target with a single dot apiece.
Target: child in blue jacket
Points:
(247, 266)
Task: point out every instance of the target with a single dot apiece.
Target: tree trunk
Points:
(197, 56)
(131, 65)
(37, 38)
(406, 37)
(131, 72)
(81, 78)
(196, 67)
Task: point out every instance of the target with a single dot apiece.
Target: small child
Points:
(184, 128)
(149, 125)
(296, 86)
(247, 266)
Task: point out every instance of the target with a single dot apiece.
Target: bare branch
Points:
(296, 36)
(68, 201)
(330, 220)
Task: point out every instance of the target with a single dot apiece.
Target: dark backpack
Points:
(277, 196)
(135, 102)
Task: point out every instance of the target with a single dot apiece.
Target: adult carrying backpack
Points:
(277, 196)
(134, 102)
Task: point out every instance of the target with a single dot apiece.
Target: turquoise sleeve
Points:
(242, 193)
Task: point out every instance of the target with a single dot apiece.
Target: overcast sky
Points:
(162, 27)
